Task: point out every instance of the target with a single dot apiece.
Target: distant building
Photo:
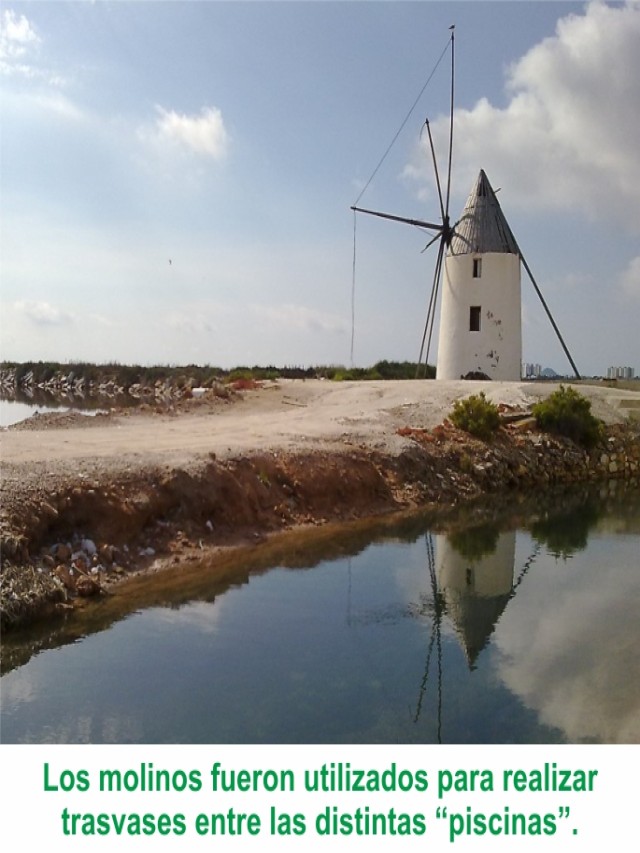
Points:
(531, 371)
(620, 373)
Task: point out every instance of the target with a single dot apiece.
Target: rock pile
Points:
(57, 576)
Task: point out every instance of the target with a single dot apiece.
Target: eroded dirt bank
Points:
(75, 521)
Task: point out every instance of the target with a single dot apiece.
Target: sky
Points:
(176, 177)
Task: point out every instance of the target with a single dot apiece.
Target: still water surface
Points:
(12, 411)
(492, 633)
(15, 411)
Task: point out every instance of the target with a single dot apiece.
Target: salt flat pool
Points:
(481, 633)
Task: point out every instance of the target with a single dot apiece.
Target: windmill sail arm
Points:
(431, 226)
(435, 169)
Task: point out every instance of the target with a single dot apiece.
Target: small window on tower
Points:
(474, 318)
(477, 267)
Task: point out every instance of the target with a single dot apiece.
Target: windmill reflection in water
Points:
(472, 578)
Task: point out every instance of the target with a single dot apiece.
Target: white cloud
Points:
(630, 279)
(16, 36)
(19, 52)
(568, 137)
(204, 133)
(42, 313)
(55, 103)
(18, 40)
(300, 318)
(194, 323)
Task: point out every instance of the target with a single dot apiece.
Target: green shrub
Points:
(567, 413)
(476, 415)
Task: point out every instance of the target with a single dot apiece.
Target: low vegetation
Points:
(476, 415)
(568, 413)
(125, 375)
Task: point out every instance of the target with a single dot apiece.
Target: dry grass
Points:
(24, 591)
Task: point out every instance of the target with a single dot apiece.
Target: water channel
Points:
(517, 627)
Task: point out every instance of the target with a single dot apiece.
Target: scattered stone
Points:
(108, 553)
(88, 546)
(524, 425)
(65, 576)
(61, 552)
(86, 586)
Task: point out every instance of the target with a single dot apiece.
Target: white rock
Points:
(89, 547)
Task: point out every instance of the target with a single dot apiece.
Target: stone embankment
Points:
(74, 541)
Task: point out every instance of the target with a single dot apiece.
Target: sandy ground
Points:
(284, 415)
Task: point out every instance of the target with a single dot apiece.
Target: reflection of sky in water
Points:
(339, 653)
(568, 644)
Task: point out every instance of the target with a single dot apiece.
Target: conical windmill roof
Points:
(482, 226)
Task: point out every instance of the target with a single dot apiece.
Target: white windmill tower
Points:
(480, 317)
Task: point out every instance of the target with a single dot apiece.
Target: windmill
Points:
(478, 260)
